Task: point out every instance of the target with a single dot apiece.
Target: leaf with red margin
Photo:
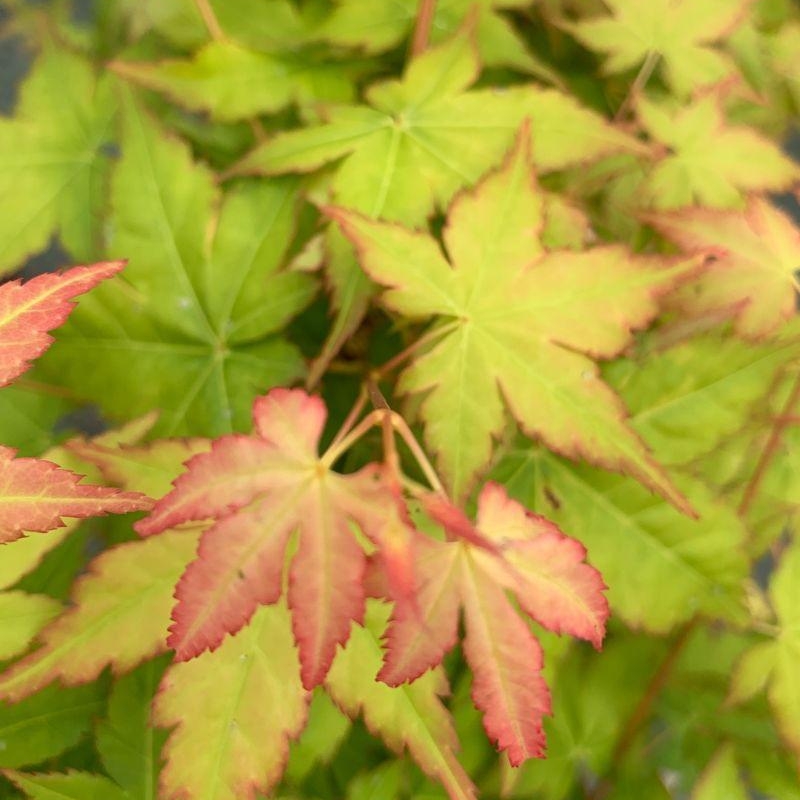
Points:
(29, 310)
(507, 549)
(411, 716)
(258, 491)
(119, 616)
(522, 327)
(36, 494)
(753, 276)
(239, 707)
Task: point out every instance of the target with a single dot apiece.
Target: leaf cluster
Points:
(423, 420)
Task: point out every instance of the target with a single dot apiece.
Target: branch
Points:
(782, 421)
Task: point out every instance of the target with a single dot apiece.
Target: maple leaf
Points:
(259, 490)
(508, 549)
(402, 156)
(53, 167)
(517, 325)
(753, 277)
(203, 298)
(689, 399)
(36, 494)
(721, 779)
(70, 785)
(638, 540)
(681, 32)
(23, 615)
(119, 616)
(411, 716)
(239, 706)
(233, 82)
(376, 26)
(710, 162)
(772, 664)
(126, 741)
(29, 310)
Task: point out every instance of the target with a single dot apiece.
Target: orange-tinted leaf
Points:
(119, 616)
(507, 549)
(29, 310)
(757, 254)
(257, 491)
(522, 327)
(36, 494)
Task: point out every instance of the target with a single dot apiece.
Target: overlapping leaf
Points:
(119, 616)
(639, 541)
(410, 716)
(53, 166)
(36, 494)
(376, 26)
(258, 491)
(232, 82)
(403, 155)
(709, 161)
(238, 707)
(757, 255)
(67, 786)
(772, 664)
(506, 550)
(29, 310)
(681, 32)
(192, 329)
(518, 327)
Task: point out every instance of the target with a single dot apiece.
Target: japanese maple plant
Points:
(422, 418)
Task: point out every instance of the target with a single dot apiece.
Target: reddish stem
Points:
(422, 27)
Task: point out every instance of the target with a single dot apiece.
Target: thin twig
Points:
(422, 27)
(639, 82)
(396, 360)
(210, 20)
(352, 416)
(783, 421)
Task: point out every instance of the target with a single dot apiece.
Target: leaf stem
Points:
(431, 336)
(422, 27)
(639, 82)
(781, 422)
(351, 417)
(210, 20)
(373, 419)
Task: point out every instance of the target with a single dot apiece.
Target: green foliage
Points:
(526, 261)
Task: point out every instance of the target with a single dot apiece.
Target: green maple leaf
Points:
(688, 399)
(47, 724)
(708, 161)
(199, 312)
(65, 786)
(681, 32)
(518, 327)
(232, 82)
(721, 779)
(772, 664)
(418, 142)
(378, 26)
(127, 742)
(53, 165)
